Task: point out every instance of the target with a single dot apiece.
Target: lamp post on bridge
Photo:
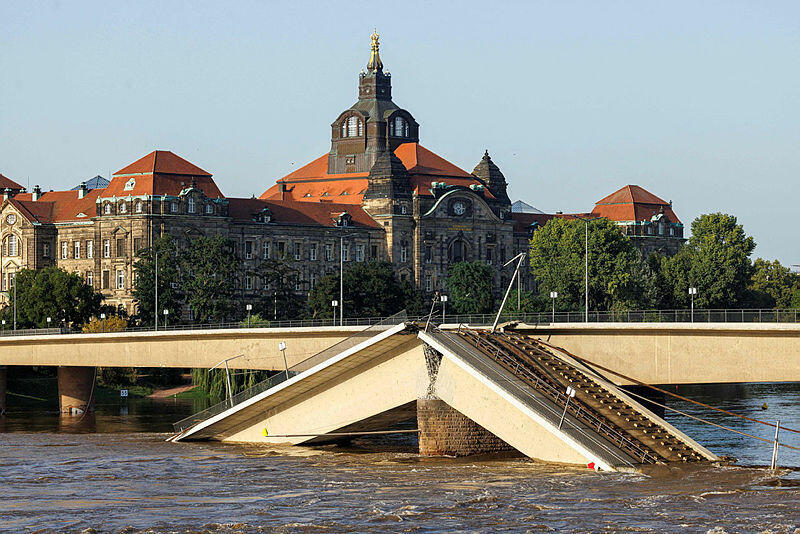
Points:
(586, 267)
(166, 314)
(692, 293)
(443, 299)
(102, 322)
(554, 296)
(227, 372)
(249, 308)
(334, 304)
(341, 278)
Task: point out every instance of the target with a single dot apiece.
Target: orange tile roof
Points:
(8, 183)
(162, 162)
(58, 206)
(633, 203)
(303, 213)
(312, 183)
(161, 173)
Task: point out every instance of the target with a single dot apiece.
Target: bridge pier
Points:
(75, 389)
(3, 379)
(444, 431)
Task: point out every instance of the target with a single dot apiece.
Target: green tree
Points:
(278, 298)
(169, 294)
(715, 260)
(772, 285)
(371, 289)
(210, 274)
(616, 268)
(55, 293)
(471, 287)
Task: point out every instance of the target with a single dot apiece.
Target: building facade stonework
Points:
(377, 193)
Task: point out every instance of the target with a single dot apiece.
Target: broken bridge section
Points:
(470, 391)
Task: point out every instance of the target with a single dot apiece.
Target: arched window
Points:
(107, 209)
(11, 246)
(458, 251)
(352, 126)
(209, 208)
(138, 207)
(123, 208)
(400, 127)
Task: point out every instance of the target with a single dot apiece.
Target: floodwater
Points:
(114, 472)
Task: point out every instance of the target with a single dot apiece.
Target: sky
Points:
(698, 102)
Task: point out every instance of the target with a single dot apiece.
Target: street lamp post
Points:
(166, 313)
(443, 298)
(586, 267)
(4, 326)
(334, 303)
(249, 308)
(341, 277)
(155, 304)
(48, 322)
(14, 278)
(227, 376)
(102, 322)
(554, 296)
(282, 348)
(692, 293)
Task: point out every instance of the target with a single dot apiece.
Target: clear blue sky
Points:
(696, 101)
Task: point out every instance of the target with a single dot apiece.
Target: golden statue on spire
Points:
(375, 62)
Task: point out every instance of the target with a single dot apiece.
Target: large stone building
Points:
(377, 194)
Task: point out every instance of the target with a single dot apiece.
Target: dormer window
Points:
(138, 207)
(130, 184)
(353, 127)
(123, 208)
(209, 208)
(107, 209)
(398, 127)
(190, 205)
(173, 207)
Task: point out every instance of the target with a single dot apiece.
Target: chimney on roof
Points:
(82, 189)
(6, 194)
(37, 193)
(283, 189)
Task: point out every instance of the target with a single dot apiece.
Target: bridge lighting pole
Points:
(103, 322)
(334, 304)
(341, 278)
(227, 375)
(4, 326)
(554, 296)
(443, 299)
(519, 257)
(249, 308)
(155, 304)
(15, 300)
(282, 348)
(166, 313)
(692, 293)
(586, 267)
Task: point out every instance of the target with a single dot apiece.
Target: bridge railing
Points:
(629, 316)
(295, 369)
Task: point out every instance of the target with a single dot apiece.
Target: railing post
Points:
(775, 445)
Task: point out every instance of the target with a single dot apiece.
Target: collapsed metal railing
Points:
(295, 369)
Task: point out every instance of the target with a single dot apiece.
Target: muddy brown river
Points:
(114, 472)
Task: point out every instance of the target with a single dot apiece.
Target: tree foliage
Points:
(715, 260)
(144, 268)
(471, 288)
(773, 286)
(114, 323)
(617, 278)
(279, 298)
(371, 289)
(210, 273)
(55, 293)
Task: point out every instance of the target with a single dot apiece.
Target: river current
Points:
(113, 472)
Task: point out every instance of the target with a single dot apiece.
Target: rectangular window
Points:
(265, 251)
(373, 251)
(106, 279)
(106, 248)
(137, 244)
(312, 280)
(489, 256)
(64, 250)
(359, 252)
(297, 251)
(328, 252)
(120, 248)
(190, 206)
(428, 254)
(298, 285)
(428, 283)
(248, 283)
(248, 250)
(671, 231)
(90, 278)
(173, 207)
(45, 250)
(120, 279)
(77, 254)
(502, 254)
(312, 252)
(90, 249)
(403, 254)
(281, 249)
(345, 252)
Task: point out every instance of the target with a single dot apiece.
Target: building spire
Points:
(375, 62)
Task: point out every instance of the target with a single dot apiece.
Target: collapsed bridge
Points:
(470, 391)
